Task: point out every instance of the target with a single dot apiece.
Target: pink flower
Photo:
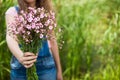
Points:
(28, 27)
(41, 25)
(26, 40)
(36, 19)
(24, 37)
(33, 25)
(37, 31)
(50, 27)
(30, 19)
(41, 36)
(22, 12)
(21, 19)
(47, 22)
(28, 32)
(23, 31)
(45, 15)
(20, 29)
(43, 30)
(51, 21)
(42, 9)
(52, 15)
(35, 11)
(42, 15)
(38, 9)
(37, 27)
(16, 32)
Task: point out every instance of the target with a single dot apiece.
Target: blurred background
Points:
(91, 35)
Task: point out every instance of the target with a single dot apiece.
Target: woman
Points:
(47, 62)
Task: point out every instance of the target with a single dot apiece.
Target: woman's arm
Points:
(55, 51)
(14, 47)
(12, 43)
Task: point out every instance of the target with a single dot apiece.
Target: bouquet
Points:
(30, 28)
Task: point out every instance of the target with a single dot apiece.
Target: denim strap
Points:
(17, 8)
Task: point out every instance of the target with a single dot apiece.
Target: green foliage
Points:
(91, 35)
(91, 31)
(4, 52)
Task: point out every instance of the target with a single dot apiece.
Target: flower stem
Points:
(31, 73)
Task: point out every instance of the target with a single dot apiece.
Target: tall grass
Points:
(91, 31)
(91, 34)
(4, 52)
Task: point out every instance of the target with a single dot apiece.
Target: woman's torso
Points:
(44, 51)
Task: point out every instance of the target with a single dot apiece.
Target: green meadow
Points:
(90, 39)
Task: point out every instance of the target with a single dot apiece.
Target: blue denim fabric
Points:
(45, 66)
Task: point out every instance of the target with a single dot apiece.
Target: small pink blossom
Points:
(30, 19)
(38, 19)
(41, 36)
(37, 27)
(47, 22)
(33, 25)
(39, 9)
(16, 32)
(37, 31)
(41, 25)
(23, 31)
(28, 32)
(22, 12)
(45, 15)
(28, 27)
(42, 9)
(42, 15)
(52, 15)
(35, 11)
(21, 19)
(35, 20)
(20, 29)
(26, 40)
(29, 15)
(50, 27)
(23, 37)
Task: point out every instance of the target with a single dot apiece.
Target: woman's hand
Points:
(59, 76)
(28, 59)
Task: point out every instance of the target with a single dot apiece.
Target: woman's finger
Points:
(28, 66)
(28, 58)
(28, 54)
(29, 62)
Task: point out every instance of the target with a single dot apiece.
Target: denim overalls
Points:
(45, 65)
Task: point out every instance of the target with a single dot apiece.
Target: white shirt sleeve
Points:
(10, 18)
(11, 11)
